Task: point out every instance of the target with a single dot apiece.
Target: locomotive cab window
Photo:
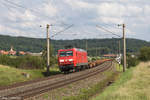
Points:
(69, 53)
(62, 54)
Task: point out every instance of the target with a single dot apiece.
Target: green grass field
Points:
(134, 84)
(10, 75)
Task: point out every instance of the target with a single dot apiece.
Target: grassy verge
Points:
(119, 67)
(134, 84)
(10, 75)
(85, 94)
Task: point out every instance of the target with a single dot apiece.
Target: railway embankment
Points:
(134, 84)
(83, 89)
(71, 81)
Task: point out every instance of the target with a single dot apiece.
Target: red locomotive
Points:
(72, 59)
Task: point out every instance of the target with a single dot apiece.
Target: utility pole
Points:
(48, 49)
(124, 43)
(119, 46)
(96, 53)
(124, 47)
(86, 45)
(119, 60)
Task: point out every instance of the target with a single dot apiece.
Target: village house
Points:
(12, 52)
(22, 53)
(3, 52)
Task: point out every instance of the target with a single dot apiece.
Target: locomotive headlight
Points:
(70, 59)
(62, 60)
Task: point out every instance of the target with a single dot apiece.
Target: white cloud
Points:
(48, 9)
(79, 4)
(118, 9)
(133, 10)
(114, 20)
(111, 9)
(28, 16)
(147, 10)
(84, 4)
(2, 28)
(84, 14)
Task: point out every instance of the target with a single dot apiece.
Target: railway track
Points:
(37, 87)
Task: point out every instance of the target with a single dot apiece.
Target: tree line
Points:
(101, 46)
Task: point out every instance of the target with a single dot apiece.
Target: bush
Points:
(144, 54)
(93, 58)
(132, 61)
(26, 62)
(30, 62)
(4, 59)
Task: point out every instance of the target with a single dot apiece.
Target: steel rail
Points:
(33, 92)
(53, 84)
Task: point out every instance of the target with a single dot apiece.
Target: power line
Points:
(15, 5)
(23, 7)
(20, 6)
(62, 30)
(111, 25)
(37, 12)
(4, 5)
(108, 31)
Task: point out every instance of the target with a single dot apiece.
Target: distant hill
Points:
(104, 46)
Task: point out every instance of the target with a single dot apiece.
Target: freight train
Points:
(75, 59)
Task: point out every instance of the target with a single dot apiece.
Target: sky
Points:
(75, 19)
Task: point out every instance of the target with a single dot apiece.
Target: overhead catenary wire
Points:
(5, 5)
(23, 7)
(31, 31)
(15, 5)
(62, 30)
(112, 25)
(20, 6)
(32, 10)
(113, 33)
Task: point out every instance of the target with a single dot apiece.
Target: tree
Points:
(144, 54)
(53, 59)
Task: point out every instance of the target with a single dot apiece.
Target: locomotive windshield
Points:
(62, 54)
(69, 53)
(66, 53)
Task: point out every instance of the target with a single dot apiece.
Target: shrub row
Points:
(25, 62)
(144, 54)
(132, 61)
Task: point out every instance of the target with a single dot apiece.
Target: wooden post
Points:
(124, 49)
(48, 49)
